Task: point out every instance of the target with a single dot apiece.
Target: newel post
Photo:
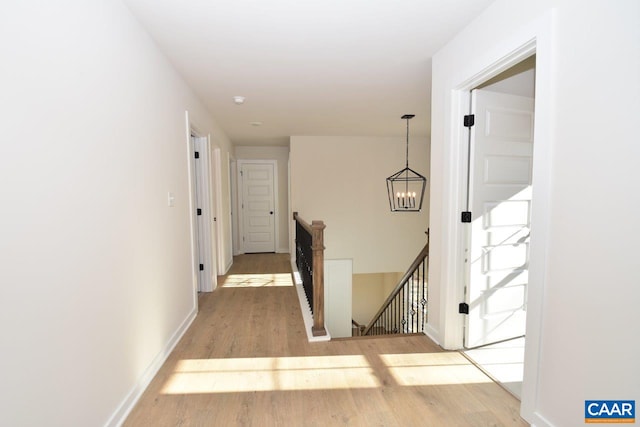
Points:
(317, 247)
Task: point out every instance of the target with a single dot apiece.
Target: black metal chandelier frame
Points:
(406, 187)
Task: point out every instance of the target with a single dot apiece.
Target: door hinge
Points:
(197, 155)
(463, 308)
(198, 211)
(469, 120)
(201, 267)
(465, 216)
(215, 219)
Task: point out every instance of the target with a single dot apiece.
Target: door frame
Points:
(235, 206)
(536, 37)
(240, 187)
(203, 145)
(216, 209)
(205, 244)
(461, 100)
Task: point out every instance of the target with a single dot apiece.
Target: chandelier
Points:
(406, 187)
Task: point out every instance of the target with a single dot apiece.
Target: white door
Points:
(501, 159)
(204, 216)
(258, 207)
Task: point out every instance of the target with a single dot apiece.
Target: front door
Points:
(501, 159)
(258, 207)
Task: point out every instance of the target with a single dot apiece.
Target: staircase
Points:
(405, 310)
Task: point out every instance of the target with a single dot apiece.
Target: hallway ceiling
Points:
(305, 67)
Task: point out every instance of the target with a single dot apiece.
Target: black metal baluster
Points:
(304, 261)
(424, 293)
(396, 328)
(392, 314)
(420, 307)
(406, 310)
(395, 320)
(412, 311)
(391, 311)
(416, 301)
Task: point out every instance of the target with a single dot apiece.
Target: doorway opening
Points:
(203, 213)
(497, 218)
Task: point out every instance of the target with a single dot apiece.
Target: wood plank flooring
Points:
(245, 361)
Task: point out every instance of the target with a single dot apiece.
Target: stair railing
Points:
(310, 263)
(405, 310)
(356, 328)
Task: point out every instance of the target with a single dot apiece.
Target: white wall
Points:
(581, 328)
(95, 269)
(338, 275)
(341, 181)
(281, 155)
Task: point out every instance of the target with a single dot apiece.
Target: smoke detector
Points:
(238, 100)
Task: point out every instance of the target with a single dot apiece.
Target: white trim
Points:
(307, 317)
(231, 242)
(538, 420)
(129, 402)
(276, 206)
(217, 196)
(535, 37)
(194, 250)
(290, 222)
(235, 205)
(456, 271)
(541, 214)
(432, 334)
(206, 235)
(211, 229)
(276, 211)
(228, 265)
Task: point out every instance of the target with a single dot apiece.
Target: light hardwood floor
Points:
(245, 361)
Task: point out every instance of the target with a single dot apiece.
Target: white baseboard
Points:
(539, 421)
(120, 414)
(432, 334)
(282, 251)
(228, 266)
(307, 317)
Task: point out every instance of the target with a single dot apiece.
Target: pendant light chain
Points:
(407, 162)
(406, 183)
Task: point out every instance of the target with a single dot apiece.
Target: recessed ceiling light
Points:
(256, 123)
(238, 100)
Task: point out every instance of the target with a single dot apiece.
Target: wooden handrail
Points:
(316, 230)
(302, 222)
(421, 257)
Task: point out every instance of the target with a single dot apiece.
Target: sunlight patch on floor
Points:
(421, 369)
(504, 362)
(257, 280)
(192, 376)
(270, 374)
